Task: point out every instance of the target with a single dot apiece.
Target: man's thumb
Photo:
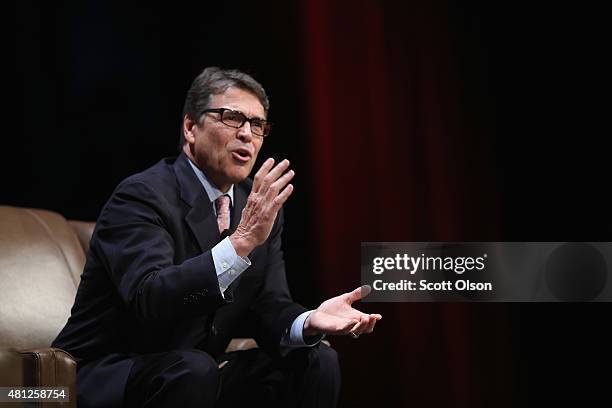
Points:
(360, 293)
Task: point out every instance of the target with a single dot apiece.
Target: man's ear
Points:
(188, 125)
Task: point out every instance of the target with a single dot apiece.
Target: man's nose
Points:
(244, 132)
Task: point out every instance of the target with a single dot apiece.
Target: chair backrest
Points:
(41, 260)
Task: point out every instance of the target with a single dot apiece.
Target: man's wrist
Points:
(241, 245)
(308, 330)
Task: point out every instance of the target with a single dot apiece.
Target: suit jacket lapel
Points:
(200, 218)
(203, 224)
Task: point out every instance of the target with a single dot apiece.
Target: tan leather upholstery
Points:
(84, 230)
(41, 259)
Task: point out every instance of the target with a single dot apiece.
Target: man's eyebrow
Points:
(246, 116)
(252, 117)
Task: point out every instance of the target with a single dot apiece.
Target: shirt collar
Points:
(212, 191)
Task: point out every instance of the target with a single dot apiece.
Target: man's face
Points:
(225, 154)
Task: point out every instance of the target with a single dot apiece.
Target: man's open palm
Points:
(337, 316)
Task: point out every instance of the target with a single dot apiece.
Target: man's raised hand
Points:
(270, 191)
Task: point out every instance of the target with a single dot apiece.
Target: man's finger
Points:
(342, 328)
(356, 328)
(279, 184)
(371, 325)
(366, 323)
(273, 175)
(283, 196)
(261, 173)
(360, 293)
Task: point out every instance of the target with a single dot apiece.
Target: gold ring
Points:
(353, 335)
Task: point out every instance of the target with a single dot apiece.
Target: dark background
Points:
(404, 121)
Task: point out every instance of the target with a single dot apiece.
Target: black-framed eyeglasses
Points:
(237, 119)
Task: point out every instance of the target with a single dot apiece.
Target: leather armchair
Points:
(41, 259)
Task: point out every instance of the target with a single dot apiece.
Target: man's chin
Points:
(239, 176)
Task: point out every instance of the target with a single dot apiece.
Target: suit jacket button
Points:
(213, 330)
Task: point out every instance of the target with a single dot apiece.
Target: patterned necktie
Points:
(223, 204)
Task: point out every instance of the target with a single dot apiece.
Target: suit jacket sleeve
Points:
(135, 240)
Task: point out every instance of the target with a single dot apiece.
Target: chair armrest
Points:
(50, 367)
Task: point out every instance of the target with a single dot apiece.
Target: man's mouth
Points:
(242, 154)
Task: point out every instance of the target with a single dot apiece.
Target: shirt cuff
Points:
(295, 337)
(228, 264)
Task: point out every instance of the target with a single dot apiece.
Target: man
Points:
(186, 255)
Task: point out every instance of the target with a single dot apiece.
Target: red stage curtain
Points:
(398, 155)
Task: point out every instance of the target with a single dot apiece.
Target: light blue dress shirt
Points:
(229, 266)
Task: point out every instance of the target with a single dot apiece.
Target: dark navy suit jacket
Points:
(149, 284)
